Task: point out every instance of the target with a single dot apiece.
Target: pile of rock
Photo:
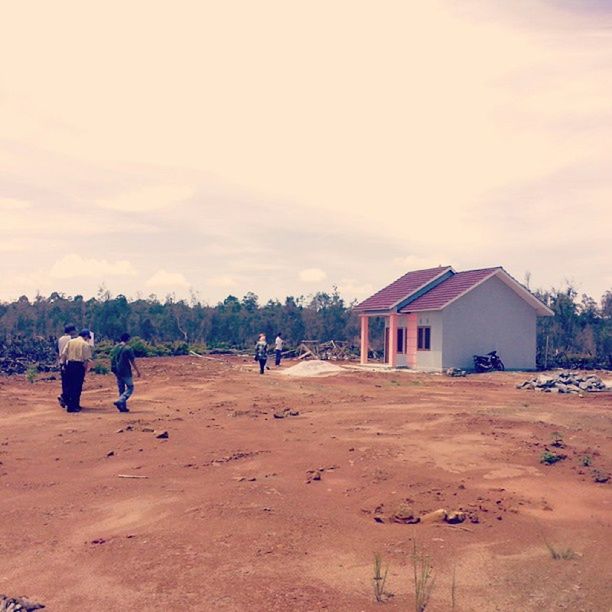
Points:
(564, 382)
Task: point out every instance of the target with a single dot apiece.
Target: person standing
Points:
(278, 349)
(75, 357)
(261, 352)
(69, 334)
(122, 361)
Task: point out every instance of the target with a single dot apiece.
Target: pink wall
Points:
(411, 340)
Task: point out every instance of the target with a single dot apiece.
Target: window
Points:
(424, 338)
(401, 340)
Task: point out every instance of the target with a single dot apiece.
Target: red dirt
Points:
(228, 520)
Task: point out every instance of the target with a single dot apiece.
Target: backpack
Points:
(115, 357)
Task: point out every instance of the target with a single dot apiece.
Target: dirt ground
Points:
(229, 514)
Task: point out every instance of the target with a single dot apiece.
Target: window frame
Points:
(401, 340)
(424, 338)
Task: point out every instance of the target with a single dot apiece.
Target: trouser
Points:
(262, 365)
(75, 375)
(277, 355)
(64, 382)
(125, 384)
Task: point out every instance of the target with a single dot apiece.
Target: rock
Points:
(455, 517)
(163, 435)
(600, 477)
(110, 453)
(405, 515)
(437, 516)
(564, 382)
(8, 604)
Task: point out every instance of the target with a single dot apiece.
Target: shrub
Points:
(100, 368)
(549, 458)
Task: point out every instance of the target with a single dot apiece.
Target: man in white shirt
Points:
(278, 348)
(69, 333)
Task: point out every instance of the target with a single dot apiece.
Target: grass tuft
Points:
(379, 579)
(423, 578)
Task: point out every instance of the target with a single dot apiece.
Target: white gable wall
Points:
(432, 359)
(490, 317)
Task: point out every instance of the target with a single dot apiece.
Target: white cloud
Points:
(13, 204)
(312, 275)
(74, 265)
(162, 279)
(222, 281)
(148, 199)
(350, 289)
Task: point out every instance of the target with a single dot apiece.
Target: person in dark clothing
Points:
(69, 333)
(261, 352)
(122, 360)
(76, 357)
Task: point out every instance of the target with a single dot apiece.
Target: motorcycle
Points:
(488, 362)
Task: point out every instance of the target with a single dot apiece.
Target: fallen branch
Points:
(130, 476)
(203, 356)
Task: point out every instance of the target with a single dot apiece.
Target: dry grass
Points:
(423, 578)
(379, 579)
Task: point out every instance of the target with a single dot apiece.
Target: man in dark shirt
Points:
(122, 360)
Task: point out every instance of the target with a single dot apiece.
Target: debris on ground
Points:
(283, 413)
(332, 350)
(13, 604)
(405, 515)
(162, 435)
(564, 382)
(312, 368)
(455, 372)
(19, 353)
(318, 473)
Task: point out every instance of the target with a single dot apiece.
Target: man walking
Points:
(278, 349)
(122, 361)
(75, 357)
(69, 334)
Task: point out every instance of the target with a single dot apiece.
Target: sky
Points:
(281, 147)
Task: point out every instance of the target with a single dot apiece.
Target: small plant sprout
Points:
(31, 374)
(557, 440)
(423, 578)
(454, 590)
(566, 554)
(379, 579)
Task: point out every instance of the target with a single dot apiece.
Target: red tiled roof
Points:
(442, 294)
(401, 289)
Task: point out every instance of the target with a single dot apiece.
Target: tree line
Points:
(580, 333)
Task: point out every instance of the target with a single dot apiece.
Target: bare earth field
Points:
(228, 516)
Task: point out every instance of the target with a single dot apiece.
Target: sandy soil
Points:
(229, 517)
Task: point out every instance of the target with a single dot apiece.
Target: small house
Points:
(439, 318)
